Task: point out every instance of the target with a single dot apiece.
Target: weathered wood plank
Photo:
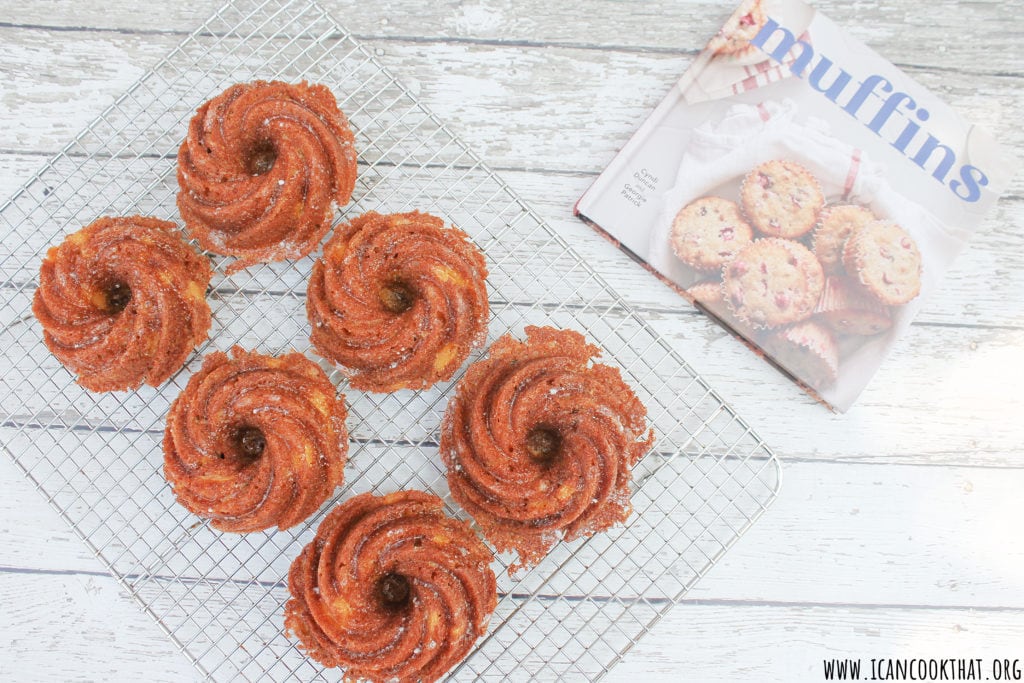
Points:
(538, 139)
(59, 627)
(879, 545)
(952, 392)
(511, 104)
(71, 628)
(726, 642)
(984, 40)
(881, 535)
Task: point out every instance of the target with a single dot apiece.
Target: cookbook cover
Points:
(803, 191)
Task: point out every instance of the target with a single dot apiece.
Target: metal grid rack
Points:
(97, 457)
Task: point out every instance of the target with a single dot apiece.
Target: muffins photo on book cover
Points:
(801, 190)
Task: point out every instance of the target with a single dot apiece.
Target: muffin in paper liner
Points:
(791, 216)
(848, 309)
(808, 350)
(708, 294)
(773, 282)
(835, 225)
(885, 259)
(708, 232)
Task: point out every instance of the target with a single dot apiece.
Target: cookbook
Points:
(803, 191)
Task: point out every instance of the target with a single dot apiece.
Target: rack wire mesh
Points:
(97, 457)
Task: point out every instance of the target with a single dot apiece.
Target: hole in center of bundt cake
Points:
(118, 295)
(543, 443)
(397, 297)
(393, 590)
(262, 158)
(250, 441)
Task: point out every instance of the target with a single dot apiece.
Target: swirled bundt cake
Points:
(255, 441)
(398, 300)
(539, 442)
(262, 168)
(122, 302)
(391, 589)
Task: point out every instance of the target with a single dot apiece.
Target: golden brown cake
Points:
(262, 168)
(539, 443)
(391, 589)
(255, 441)
(122, 302)
(398, 300)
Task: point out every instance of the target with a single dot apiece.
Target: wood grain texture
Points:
(737, 642)
(904, 32)
(518, 92)
(895, 532)
(703, 641)
(926, 550)
(909, 568)
(524, 86)
(80, 627)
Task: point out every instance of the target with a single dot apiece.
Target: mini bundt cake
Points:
(122, 302)
(391, 589)
(539, 443)
(398, 300)
(262, 168)
(255, 441)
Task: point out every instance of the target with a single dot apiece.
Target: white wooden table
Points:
(898, 529)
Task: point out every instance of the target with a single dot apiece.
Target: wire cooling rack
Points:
(97, 457)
